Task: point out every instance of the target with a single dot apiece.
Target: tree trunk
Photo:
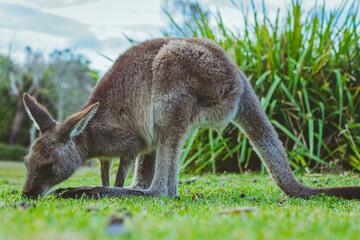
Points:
(17, 122)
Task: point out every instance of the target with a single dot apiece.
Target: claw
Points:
(57, 191)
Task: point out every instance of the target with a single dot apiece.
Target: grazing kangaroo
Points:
(144, 108)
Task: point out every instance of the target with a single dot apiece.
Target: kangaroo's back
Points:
(131, 91)
(131, 73)
(124, 93)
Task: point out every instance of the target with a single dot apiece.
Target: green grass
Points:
(186, 218)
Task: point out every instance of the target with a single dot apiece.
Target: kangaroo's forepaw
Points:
(97, 192)
(78, 192)
(82, 192)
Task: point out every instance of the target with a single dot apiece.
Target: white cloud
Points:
(48, 3)
(114, 13)
(89, 26)
(22, 18)
(97, 26)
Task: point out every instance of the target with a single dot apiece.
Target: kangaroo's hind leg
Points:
(165, 180)
(174, 121)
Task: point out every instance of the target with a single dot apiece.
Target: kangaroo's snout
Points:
(34, 193)
(30, 194)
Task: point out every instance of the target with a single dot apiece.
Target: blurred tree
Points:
(7, 103)
(71, 82)
(28, 79)
(63, 84)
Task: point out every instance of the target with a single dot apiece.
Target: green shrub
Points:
(305, 69)
(12, 152)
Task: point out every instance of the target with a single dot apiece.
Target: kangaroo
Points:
(142, 110)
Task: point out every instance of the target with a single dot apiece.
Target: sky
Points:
(95, 28)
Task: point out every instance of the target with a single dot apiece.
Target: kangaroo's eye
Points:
(46, 168)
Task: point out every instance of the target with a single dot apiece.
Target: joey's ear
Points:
(75, 124)
(40, 116)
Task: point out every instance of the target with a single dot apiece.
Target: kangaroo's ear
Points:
(75, 124)
(40, 116)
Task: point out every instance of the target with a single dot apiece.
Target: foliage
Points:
(9, 104)
(62, 85)
(195, 215)
(26, 78)
(305, 68)
(70, 80)
(7, 112)
(185, 10)
(12, 152)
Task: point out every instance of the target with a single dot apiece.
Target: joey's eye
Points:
(46, 168)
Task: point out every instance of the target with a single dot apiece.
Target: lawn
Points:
(223, 206)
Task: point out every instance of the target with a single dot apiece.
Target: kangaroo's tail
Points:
(253, 121)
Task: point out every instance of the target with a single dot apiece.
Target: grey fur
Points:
(105, 165)
(151, 99)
